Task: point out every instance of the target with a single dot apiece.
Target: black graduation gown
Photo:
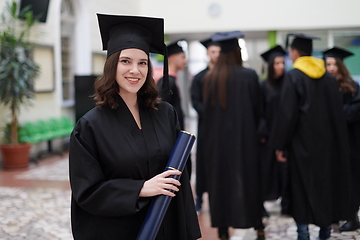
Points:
(110, 159)
(232, 153)
(311, 126)
(352, 111)
(273, 172)
(174, 98)
(198, 103)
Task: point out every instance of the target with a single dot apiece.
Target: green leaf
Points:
(17, 69)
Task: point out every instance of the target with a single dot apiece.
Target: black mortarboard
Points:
(227, 40)
(301, 41)
(208, 42)
(119, 32)
(337, 52)
(174, 47)
(273, 52)
(122, 32)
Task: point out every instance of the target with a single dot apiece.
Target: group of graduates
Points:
(294, 136)
(308, 118)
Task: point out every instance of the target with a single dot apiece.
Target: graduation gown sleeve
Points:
(287, 114)
(196, 91)
(112, 197)
(263, 130)
(352, 107)
(174, 98)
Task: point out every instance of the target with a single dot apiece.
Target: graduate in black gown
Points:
(273, 172)
(119, 149)
(334, 58)
(196, 91)
(312, 128)
(177, 61)
(229, 132)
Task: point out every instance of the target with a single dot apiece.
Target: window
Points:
(67, 33)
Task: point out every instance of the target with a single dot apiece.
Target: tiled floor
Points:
(35, 205)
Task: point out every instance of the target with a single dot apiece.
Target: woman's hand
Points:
(161, 184)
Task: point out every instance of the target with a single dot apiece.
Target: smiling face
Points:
(132, 70)
(331, 65)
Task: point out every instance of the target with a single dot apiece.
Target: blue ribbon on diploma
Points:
(160, 203)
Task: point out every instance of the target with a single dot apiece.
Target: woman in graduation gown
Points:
(229, 130)
(196, 92)
(273, 172)
(351, 94)
(119, 150)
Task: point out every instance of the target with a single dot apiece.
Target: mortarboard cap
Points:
(119, 32)
(208, 42)
(337, 52)
(301, 41)
(122, 32)
(273, 52)
(174, 47)
(227, 40)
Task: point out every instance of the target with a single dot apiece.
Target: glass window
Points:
(67, 33)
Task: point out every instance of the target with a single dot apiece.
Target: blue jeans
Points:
(303, 232)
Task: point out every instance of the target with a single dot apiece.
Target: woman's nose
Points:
(134, 69)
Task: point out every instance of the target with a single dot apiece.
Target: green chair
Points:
(30, 133)
(48, 133)
(66, 125)
(45, 129)
(55, 125)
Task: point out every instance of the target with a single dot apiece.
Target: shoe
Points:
(349, 226)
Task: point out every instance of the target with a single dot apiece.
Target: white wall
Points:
(87, 40)
(254, 15)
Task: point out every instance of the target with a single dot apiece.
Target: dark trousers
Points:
(303, 232)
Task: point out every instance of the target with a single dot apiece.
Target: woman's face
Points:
(132, 70)
(279, 66)
(331, 66)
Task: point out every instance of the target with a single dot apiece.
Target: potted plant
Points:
(17, 74)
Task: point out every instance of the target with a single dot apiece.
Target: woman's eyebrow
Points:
(144, 59)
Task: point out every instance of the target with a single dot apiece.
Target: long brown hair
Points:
(106, 88)
(346, 83)
(216, 78)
